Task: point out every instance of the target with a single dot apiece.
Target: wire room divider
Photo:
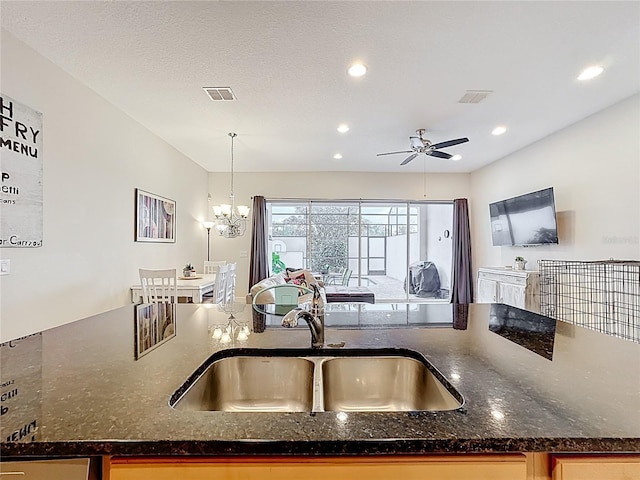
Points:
(601, 295)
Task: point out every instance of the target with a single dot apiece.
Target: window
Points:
(389, 246)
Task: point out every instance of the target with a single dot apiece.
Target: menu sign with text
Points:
(21, 175)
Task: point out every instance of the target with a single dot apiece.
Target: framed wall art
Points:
(155, 218)
(155, 325)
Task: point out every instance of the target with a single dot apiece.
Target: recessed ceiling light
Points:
(499, 130)
(343, 128)
(590, 72)
(456, 157)
(357, 70)
(337, 156)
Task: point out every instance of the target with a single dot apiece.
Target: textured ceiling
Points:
(286, 62)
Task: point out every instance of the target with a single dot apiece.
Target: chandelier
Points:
(232, 330)
(231, 221)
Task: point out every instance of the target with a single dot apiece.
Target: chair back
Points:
(334, 277)
(230, 291)
(159, 286)
(220, 289)
(346, 276)
(212, 267)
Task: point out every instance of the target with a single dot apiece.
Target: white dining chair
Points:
(230, 290)
(211, 267)
(220, 287)
(159, 286)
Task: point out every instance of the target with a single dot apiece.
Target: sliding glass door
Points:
(402, 251)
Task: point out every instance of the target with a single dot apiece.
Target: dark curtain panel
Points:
(460, 315)
(258, 265)
(462, 283)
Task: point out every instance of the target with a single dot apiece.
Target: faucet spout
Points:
(290, 320)
(314, 319)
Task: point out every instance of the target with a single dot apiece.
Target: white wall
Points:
(94, 156)
(325, 185)
(397, 254)
(594, 168)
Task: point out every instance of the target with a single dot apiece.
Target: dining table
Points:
(192, 288)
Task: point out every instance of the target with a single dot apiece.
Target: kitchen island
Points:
(101, 386)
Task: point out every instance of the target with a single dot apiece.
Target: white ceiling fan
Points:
(422, 145)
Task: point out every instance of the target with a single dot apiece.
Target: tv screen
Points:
(524, 220)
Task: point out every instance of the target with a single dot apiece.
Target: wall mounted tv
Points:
(528, 219)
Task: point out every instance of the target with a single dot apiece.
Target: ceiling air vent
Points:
(475, 96)
(219, 93)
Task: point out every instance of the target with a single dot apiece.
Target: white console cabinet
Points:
(518, 288)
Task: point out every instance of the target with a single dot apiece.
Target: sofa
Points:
(304, 278)
(298, 278)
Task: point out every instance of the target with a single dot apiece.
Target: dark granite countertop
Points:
(101, 386)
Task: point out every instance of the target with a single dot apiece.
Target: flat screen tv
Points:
(528, 219)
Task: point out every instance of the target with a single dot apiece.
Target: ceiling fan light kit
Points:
(420, 144)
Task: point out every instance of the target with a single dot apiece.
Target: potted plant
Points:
(188, 270)
(520, 262)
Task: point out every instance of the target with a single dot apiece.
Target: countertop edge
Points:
(323, 448)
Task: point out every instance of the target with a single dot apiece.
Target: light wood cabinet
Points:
(595, 467)
(518, 288)
(67, 469)
(442, 467)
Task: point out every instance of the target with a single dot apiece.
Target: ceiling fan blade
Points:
(409, 158)
(438, 154)
(449, 143)
(393, 153)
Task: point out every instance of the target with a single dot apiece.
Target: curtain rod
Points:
(356, 200)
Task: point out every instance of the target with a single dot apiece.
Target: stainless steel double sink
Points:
(294, 380)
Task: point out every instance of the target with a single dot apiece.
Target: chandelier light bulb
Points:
(243, 210)
(226, 209)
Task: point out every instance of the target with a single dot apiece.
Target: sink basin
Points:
(382, 384)
(293, 380)
(252, 384)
